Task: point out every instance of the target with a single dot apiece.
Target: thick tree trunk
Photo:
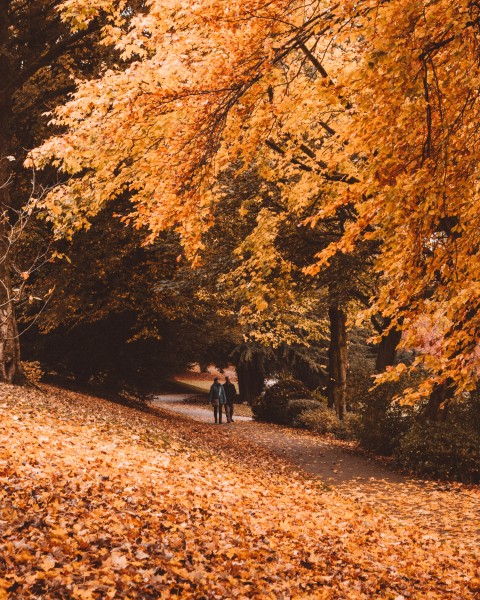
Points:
(337, 361)
(387, 350)
(251, 377)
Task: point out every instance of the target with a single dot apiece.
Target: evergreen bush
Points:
(272, 405)
(381, 422)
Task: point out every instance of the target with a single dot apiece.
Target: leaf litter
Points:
(98, 500)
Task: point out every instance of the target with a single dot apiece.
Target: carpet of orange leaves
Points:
(98, 500)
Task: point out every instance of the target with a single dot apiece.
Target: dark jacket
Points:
(217, 393)
(230, 392)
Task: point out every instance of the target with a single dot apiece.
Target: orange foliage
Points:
(367, 105)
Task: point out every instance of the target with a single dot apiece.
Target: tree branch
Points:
(333, 176)
(47, 57)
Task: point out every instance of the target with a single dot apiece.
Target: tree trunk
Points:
(337, 361)
(251, 377)
(437, 407)
(387, 350)
(10, 365)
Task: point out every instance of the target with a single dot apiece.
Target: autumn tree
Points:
(386, 92)
(125, 316)
(418, 192)
(273, 272)
(279, 313)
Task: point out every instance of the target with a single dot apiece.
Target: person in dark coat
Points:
(231, 395)
(217, 400)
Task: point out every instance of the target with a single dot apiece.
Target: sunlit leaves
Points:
(367, 106)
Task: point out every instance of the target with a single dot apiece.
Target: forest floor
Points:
(100, 500)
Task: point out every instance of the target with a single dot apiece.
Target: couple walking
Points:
(222, 395)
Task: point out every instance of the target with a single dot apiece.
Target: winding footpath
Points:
(441, 510)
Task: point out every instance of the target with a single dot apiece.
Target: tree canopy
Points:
(367, 107)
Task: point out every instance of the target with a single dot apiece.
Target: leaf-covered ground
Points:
(102, 501)
(443, 510)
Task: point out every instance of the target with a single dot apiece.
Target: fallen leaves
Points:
(101, 501)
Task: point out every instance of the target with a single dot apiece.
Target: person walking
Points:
(230, 395)
(217, 400)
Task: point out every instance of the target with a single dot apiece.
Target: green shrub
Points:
(450, 449)
(323, 420)
(466, 412)
(272, 405)
(447, 450)
(348, 427)
(295, 408)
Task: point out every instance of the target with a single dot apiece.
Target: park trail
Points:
(441, 510)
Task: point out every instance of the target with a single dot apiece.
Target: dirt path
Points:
(442, 510)
(318, 456)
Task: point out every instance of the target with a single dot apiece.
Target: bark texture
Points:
(10, 365)
(387, 350)
(337, 361)
(438, 404)
(32, 37)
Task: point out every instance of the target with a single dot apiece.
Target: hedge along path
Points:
(444, 511)
(98, 500)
